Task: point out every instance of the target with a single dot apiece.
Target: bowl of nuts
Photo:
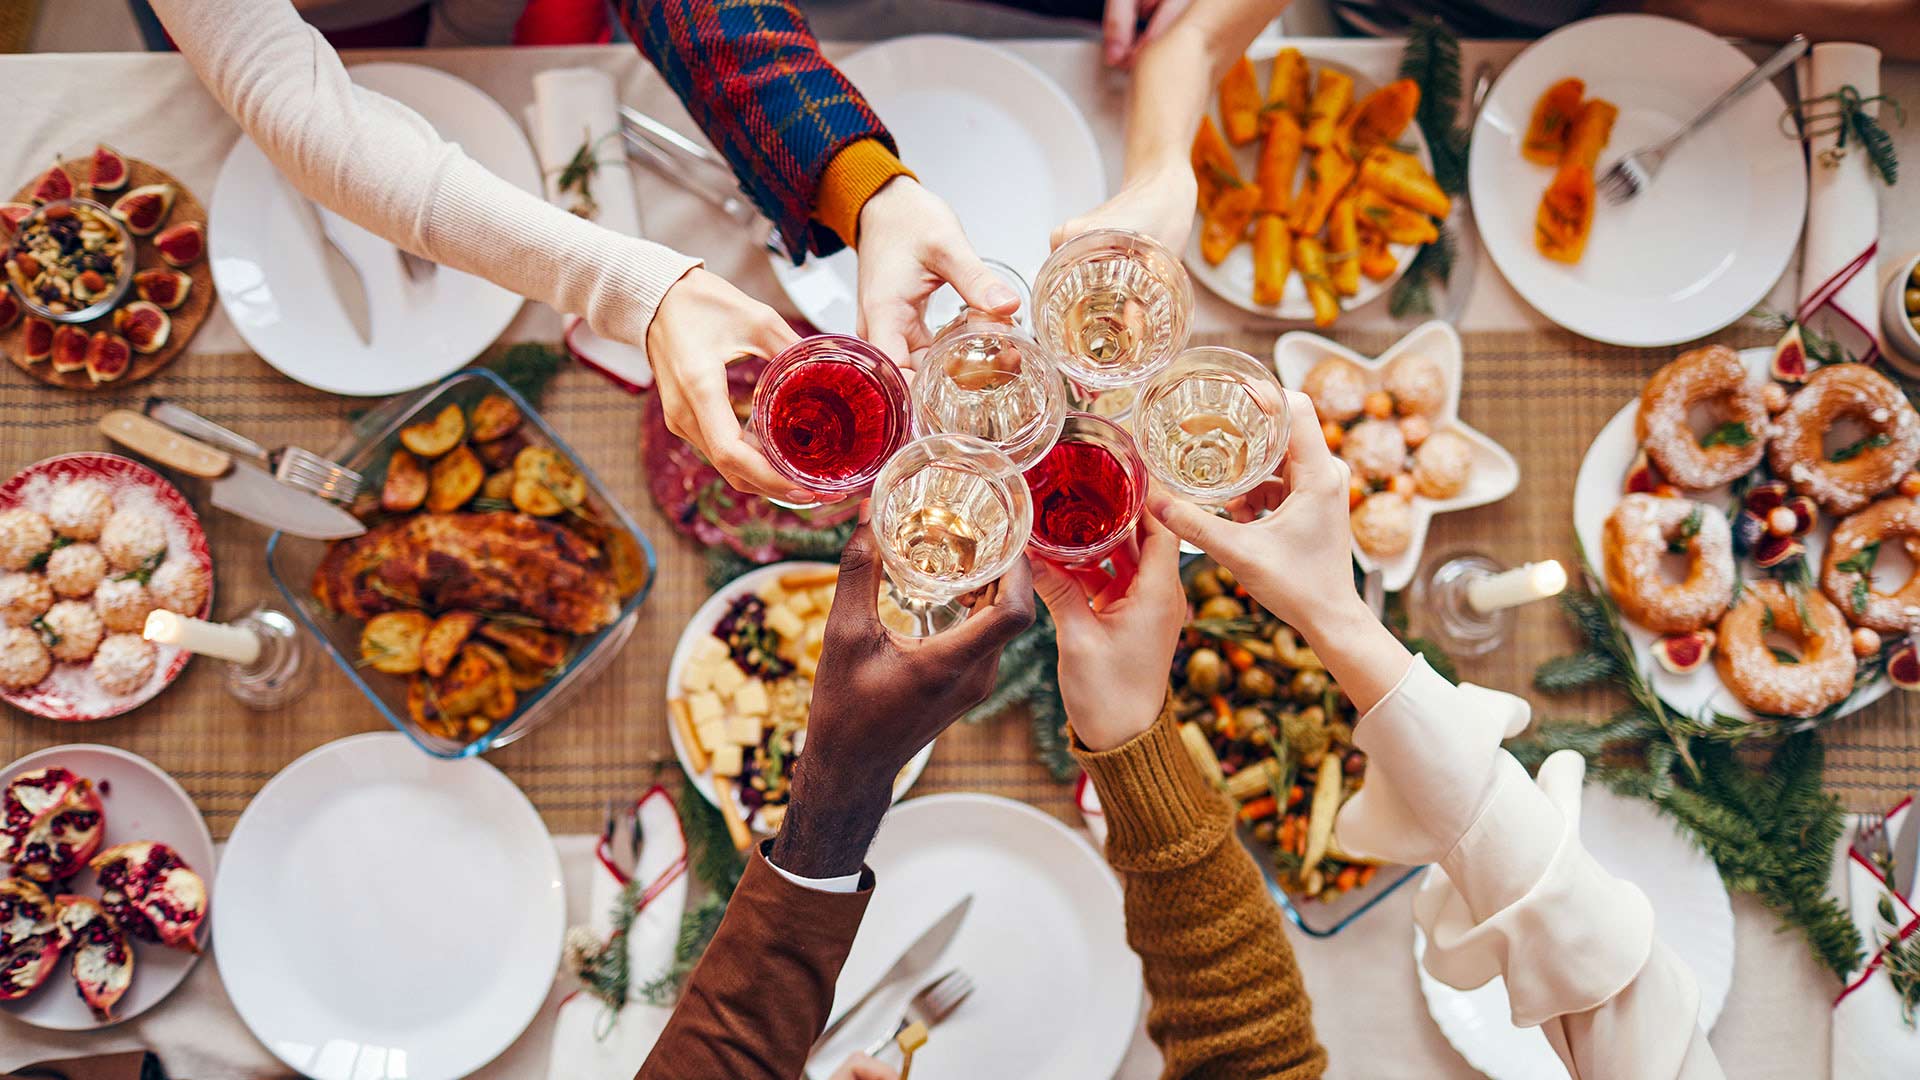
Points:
(71, 261)
(1900, 316)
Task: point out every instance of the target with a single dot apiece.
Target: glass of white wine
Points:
(984, 377)
(1113, 307)
(1213, 424)
(951, 514)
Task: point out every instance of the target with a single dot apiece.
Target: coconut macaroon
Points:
(80, 510)
(24, 535)
(24, 597)
(1418, 386)
(123, 664)
(123, 604)
(24, 659)
(132, 537)
(76, 570)
(179, 585)
(75, 629)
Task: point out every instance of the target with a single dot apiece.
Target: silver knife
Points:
(917, 960)
(238, 487)
(348, 286)
(1906, 850)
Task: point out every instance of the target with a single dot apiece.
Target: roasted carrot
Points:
(1287, 86)
(1311, 260)
(1240, 102)
(1327, 176)
(1565, 217)
(1332, 93)
(1223, 227)
(1403, 179)
(1376, 261)
(1279, 160)
(1546, 137)
(1589, 134)
(1272, 257)
(1213, 165)
(1255, 809)
(1396, 223)
(1382, 115)
(1343, 247)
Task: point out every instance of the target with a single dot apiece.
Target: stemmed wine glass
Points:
(1088, 492)
(828, 412)
(1113, 307)
(945, 308)
(984, 377)
(1213, 424)
(951, 515)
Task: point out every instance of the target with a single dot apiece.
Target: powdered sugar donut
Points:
(1339, 388)
(1383, 524)
(24, 659)
(1443, 465)
(24, 597)
(76, 570)
(1823, 675)
(24, 534)
(123, 663)
(79, 510)
(1845, 480)
(179, 585)
(76, 629)
(1375, 449)
(123, 605)
(131, 537)
(1417, 385)
(1638, 533)
(1714, 376)
(1896, 612)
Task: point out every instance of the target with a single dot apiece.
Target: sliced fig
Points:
(1684, 653)
(1771, 551)
(1805, 514)
(162, 286)
(102, 956)
(144, 325)
(108, 356)
(53, 185)
(9, 309)
(69, 348)
(1764, 497)
(1790, 356)
(1643, 477)
(37, 343)
(11, 215)
(1903, 667)
(153, 893)
(1748, 529)
(109, 172)
(144, 208)
(183, 244)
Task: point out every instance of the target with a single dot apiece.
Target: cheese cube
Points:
(709, 649)
(728, 679)
(823, 598)
(726, 761)
(800, 602)
(782, 620)
(697, 677)
(807, 665)
(704, 708)
(751, 699)
(743, 730)
(711, 735)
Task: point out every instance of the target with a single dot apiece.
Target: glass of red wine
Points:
(1088, 492)
(828, 412)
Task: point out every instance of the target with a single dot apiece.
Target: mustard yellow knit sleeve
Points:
(850, 179)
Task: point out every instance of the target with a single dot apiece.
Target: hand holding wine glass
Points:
(910, 243)
(952, 515)
(828, 413)
(1088, 492)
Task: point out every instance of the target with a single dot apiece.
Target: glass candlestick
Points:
(280, 672)
(1468, 598)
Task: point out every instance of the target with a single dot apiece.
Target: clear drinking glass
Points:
(1213, 424)
(1088, 492)
(951, 515)
(1113, 307)
(945, 308)
(828, 412)
(985, 378)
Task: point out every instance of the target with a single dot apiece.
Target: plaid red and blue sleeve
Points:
(751, 74)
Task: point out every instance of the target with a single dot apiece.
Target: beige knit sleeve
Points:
(379, 164)
(1227, 995)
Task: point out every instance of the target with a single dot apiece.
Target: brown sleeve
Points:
(1227, 996)
(760, 995)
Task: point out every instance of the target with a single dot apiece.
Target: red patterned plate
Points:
(69, 692)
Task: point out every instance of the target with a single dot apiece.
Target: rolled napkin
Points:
(588, 1044)
(1871, 1040)
(1839, 276)
(574, 108)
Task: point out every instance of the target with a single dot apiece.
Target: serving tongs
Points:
(686, 163)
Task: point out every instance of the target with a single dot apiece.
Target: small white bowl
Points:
(1896, 325)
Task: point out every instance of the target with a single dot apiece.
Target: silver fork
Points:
(932, 1004)
(1870, 841)
(1631, 174)
(291, 465)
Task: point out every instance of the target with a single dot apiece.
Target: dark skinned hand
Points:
(878, 698)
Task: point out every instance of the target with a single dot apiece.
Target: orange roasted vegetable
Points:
(1213, 166)
(1311, 260)
(1589, 134)
(1240, 102)
(1343, 247)
(1279, 160)
(1382, 115)
(1396, 223)
(1331, 96)
(1287, 86)
(1565, 217)
(1272, 257)
(1327, 176)
(1224, 225)
(1375, 260)
(1403, 179)
(1546, 137)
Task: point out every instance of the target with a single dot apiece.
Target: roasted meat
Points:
(492, 562)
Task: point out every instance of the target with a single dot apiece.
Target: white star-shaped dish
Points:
(1495, 473)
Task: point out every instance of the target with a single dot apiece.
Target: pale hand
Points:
(1158, 203)
(1123, 34)
(862, 1067)
(910, 245)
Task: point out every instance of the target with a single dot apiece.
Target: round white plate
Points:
(1699, 247)
(984, 130)
(1232, 280)
(1691, 913)
(143, 803)
(1057, 992)
(387, 915)
(1597, 490)
(702, 624)
(1495, 473)
(271, 275)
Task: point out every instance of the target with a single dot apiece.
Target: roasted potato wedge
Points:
(406, 484)
(532, 646)
(455, 478)
(627, 561)
(437, 436)
(498, 485)
(421, 705)
(523, 680)
(544, 483)
(494, 417)
(533, 497)
(504, 699)
(499, 453)
(444, 639)
(467, 687)
(391, 640)
(1240, 102)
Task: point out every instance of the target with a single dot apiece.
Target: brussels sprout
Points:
(1306, 733)
(1247, 720)
(1307, 685)
(1222, 607)
(1256, 682)
(1204, 671)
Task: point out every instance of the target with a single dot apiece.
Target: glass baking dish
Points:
(292, 560)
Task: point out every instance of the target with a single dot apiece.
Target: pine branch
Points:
(1432, 265)
(1432, 61)
(1582, 669)
(529, 367)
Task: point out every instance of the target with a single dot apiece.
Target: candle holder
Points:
(1440, 592)
(281, 672)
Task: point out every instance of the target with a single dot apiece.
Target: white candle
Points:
(1520, 585)
(235, 643)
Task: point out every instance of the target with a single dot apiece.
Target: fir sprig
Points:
(1843, 114)
(529, 367)
(1432, 265)
(1432, 61)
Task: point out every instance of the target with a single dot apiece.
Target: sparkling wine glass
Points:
(945, 308)
(1113, 307)
(951, 515)
(828, 412)
(1088, 492)
(984, 377)
(1213, 424)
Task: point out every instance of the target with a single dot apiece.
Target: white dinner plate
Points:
(1691, 914)
(1495, 474)
(702, 624)
(392, 917)
(1057, 993)
(1232, 280)
(1597, 490)
(142, 803)
(1699, 247)
(984, 130)
(271, 275)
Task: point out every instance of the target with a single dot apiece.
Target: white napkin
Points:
(1870, 1041)
(572, 106)
(585, 1047)
(1839, 275)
